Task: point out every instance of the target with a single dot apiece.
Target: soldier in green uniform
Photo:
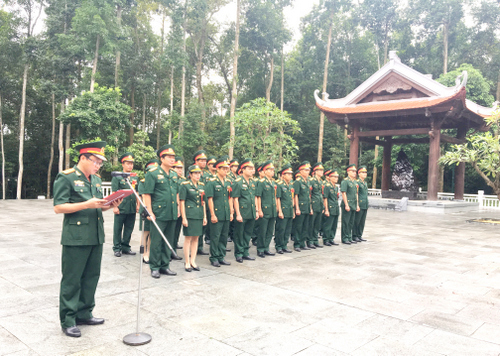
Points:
(78, 195)
(194, 215)
(317, 204)
(245, 210)
(220, 203)
(266, 207)
(258, 221)
(200, 159)
(179, 169)
(145, 224)
(284, 201)
(161, 198)
(360, 218)
(233, 174)
(349, 190)
(331, 205)
(296, 174)
(303, 209)
(124, 214)
(211, 166)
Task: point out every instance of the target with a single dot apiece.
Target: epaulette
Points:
(143, 180)
(201, 183)
(238, 179)
(186, 182)
(153, 169)
(97, 175)
(212, 179)
(68, 171)
(182, 177)
(262, 180)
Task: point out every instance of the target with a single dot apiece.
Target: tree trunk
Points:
(1, 147)
(158, 111)
(183, 84)
(386, 42)
(61, 142)
(68, 143)
(199, 66)
(144, 115)
(281, 101)
(21, 133)
(132, 104)
(52, 139)
(171, 105)
(445, 48)
(234, 91)
(325, 81)
(270, 84)
(118, 53)
(94, 66)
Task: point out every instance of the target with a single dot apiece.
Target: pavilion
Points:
(399, 101)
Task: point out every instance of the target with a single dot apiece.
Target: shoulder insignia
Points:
(182, 177)
(201, 183)
(238, 179)
(153, 169)
(97, 175)
(68, 171)
(186, 182)
(262, 180)
(212, 179)
(143, 180)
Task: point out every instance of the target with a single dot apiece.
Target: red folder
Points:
(119, 194)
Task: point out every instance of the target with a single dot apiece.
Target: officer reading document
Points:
(78, 195)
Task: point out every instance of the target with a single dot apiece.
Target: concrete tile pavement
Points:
(423, 284)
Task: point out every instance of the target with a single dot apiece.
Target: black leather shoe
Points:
(346, 243)
(155, 274)
(215, 264)
(353, 242)
(117, 254)
(361, 239)
(286, 251)
(318, 246)
(267, 253)
(228, 249)
(207, 242)
(334, 244)
(196, 268)
(280, 252)
(144, 261)
(91, 321)
(261, 254)
(327, 243)
(168, 272)
(177, 258)
(188, 269)
(72, 331)
(254, 243)
(297, 249)
(248, 258)
(311, 247)
(224, 263)
(239, 260)
(131, 253)
(203, 253)
(305, 248)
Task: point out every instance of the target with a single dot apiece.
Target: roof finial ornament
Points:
(393, 56)
(461, 80)
(318, 99)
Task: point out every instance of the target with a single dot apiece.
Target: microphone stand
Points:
(138, 338)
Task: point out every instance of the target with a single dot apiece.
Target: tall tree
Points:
(234, 92)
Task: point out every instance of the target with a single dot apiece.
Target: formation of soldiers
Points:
(246, 204)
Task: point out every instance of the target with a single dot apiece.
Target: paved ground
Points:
(423, 285)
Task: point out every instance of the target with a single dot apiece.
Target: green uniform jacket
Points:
(220, 192)
(193, 199)
(331, 193)
(362, 194)
(163, 188)
(316, 194)
(85, 227)
(129, 204)
(245, 192)
(303, 191)
(266, 190)
(285, 194)
(350, 187)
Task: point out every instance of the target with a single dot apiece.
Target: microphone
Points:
(120, 174)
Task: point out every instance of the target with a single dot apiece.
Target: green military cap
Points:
(350, 166)
(287, 168)
(247, 162)
(297, 173)
(152, 163)
(211, 160)
(201, 154)
(304, 165)
(166, 150)
(126, 157)
(95, 148)
(327, 172)
(259, 167)
(362, 169)
(194, 168)
(234, 162)
(317, 166)
(222, 162)
(267, 165)
(333, 171)
(178, 162)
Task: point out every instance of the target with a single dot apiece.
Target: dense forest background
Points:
(140, 73)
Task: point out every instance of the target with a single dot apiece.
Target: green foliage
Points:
(98, 113)
(142, 153)
(264, 132)
(478, 88)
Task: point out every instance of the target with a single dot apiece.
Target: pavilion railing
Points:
(106, 188)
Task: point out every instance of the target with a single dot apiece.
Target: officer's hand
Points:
(116, 210)
(358, 209)
(347, 208)
(117, 202)
(205, 222)
(261, 214)
(213, 219)
(231, 217)
(239, 218)
(327, 213)
(281, 216)
(151, 217)
(95, 203)
(297, 212)
(178, 212)
(185, 222)
(311, 213)
(137, 209)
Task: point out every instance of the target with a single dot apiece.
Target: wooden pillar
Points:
(434, 153)
(460, 170)
(354, 149)
(386, 164)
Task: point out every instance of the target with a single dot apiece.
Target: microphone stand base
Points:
(137, 339)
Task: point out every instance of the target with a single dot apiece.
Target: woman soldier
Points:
(194, 215)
